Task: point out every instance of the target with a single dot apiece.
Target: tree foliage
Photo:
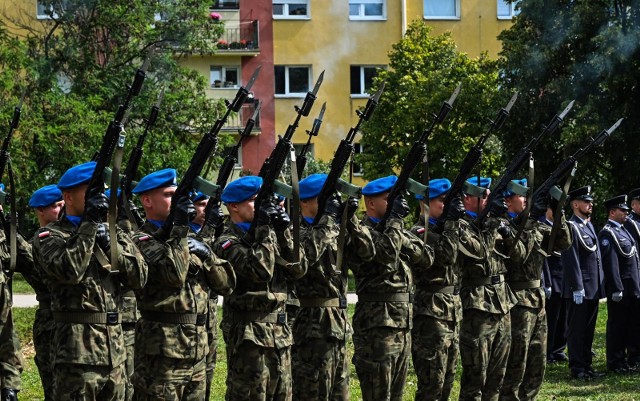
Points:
(587, 50)
(75, 67)
(423, 72)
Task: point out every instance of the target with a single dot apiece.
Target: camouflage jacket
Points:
(444, 272)
(179, 284)
(130, 313)
(79, 284)
(397, 253)
(527, 266)
(262, 285)
(323, 281)
(482, 254)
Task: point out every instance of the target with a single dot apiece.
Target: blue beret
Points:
(198, 196)
(516, 187)
(311, 186)
(158, 179)
(437, 187)
(241, 189)
(45, 196)
(77, 175)
(107, 193)
(379, 185)
(1, 187)
(485, 182)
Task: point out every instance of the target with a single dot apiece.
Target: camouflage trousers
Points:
(160, 378)
(212, 340)
(77, 382)
(528, 354)
(10, 356)
(320, 370)
(435, 347)
(129, 332)
(43, 331)
(381, 358)
(258, 373)
(484, 349)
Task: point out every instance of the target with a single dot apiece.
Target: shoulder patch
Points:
(605, 242)
(226, 244)
(44, 234)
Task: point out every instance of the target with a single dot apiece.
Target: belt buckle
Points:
(112, 318)
(282, 318)
(201, 320)
(343, 303)
(495, 279)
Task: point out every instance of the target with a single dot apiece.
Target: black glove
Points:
(539, 207)
(332, 207)
(280, 220)
(267, 210)
(184, 212)
(9, 394)
(352, 206)
(456, 209)
(202, 251)
(400, 208)
(102, 238)
(96, 205)
(504, 230)
(216, 220)
(498, 206)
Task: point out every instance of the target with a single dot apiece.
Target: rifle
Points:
(227, 169)
(523, 156)
(126, 182)
(301, 159)
(415, 157)
(473, 158)
(205, 149)
(344, 153)
(271, 167)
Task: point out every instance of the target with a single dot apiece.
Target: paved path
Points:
(29, 300)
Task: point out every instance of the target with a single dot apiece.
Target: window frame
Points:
(442, 17)
(285, 15)
(363, 90)
(512, 11)
(45, 16)
(362, 17)
(223, 70)
(288, 93)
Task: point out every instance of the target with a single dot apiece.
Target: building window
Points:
(508, 9)
(362, 79)
(226, 5)
(292, 81)
(48, 9)
(442, 9)
(224, 77)
(357, 167)
(367, 9)
(291, 9)
(238, 157)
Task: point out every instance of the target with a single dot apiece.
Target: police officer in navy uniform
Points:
(583, 285)
(632, 223)
(622, 285)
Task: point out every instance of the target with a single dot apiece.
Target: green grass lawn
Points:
(557, 385)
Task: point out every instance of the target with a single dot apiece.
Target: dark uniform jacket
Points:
(619, 260)
(582, 262)
(552, 273)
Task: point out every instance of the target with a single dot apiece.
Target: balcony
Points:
(239, 120)
(226, 5)
(240, 38)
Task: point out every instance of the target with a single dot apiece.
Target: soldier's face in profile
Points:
(242, 212)
(475, 204)
(157, 202)
(618, 215)
(49, 214)
(309, 207)
(200, 205)
(74, 200)
(635, 206)
(516, 203)
(436, 207)
(376, 205)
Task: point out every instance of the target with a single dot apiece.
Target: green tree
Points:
(76, 66)
(559, 50)
(423, 72)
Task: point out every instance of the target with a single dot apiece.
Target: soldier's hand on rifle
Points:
(200, 249)
(400, 208)
(504, 230)
(96, 205)
(185, 211)
(352, 206)
(9, 394)
(216, 220)
(267, 210)
(498, 205)
(456, 209)
(103, 239)
(539, 207)
(280, 220)
(332, 207)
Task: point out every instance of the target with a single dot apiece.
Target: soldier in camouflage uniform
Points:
(437, 307)
(46, 203)
(485, 334)
(383, 317)
(73, 254)
(171, 336)
(320, 365)
(527, 357)
(254, 323)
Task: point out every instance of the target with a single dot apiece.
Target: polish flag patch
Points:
(226, 244)
(44, 234)
(146, 237)
(421, 230)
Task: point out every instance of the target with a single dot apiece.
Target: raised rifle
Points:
(301, 159)
(205, 149)
(344, 153)
(473, 158)
(415, 157)
(523, 156)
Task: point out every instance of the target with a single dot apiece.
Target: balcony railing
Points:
(239, 37)
(239, 120)
(226, 5)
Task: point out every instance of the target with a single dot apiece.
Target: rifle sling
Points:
(113, 201)
(557, 214)
(341, 239)
(525, 214)
(295, 207)
(13, 230)
(128, 212)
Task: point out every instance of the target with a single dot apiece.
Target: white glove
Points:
(616, 296)
(547, 292)
(578, 296)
